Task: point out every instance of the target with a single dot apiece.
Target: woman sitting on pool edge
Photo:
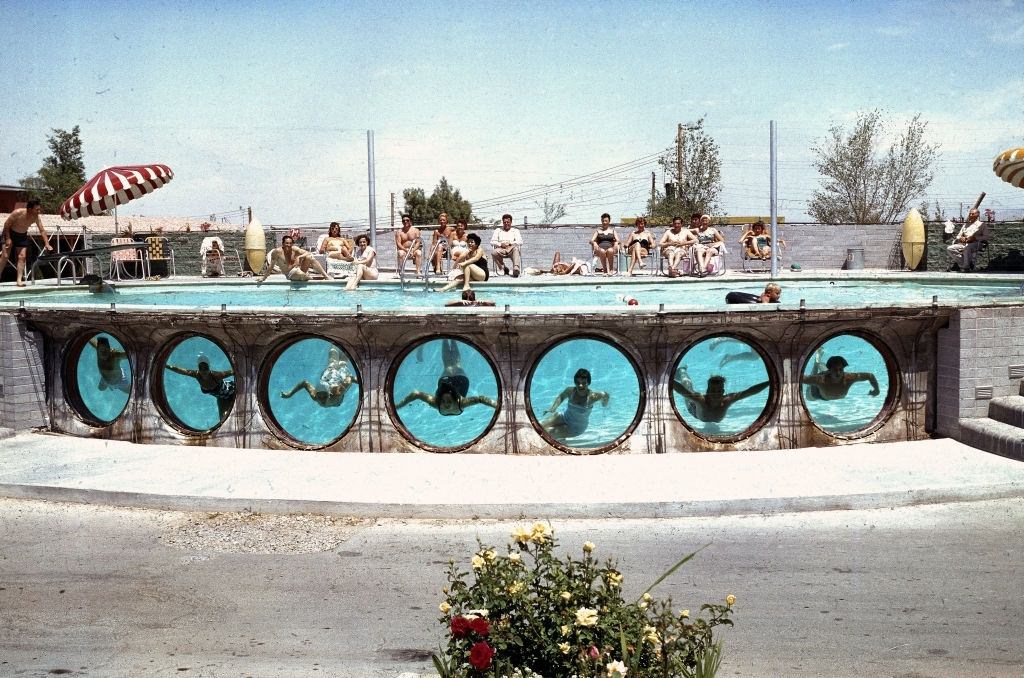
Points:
(450, 398)
(471, 267)
(335, 380)
(365, 260)
(580, 401)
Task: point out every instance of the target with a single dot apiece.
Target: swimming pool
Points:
(326, 297)
(297, 376)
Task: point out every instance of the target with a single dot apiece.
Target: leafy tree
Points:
(701, 183)
(445, 198)
(860, 185)
(553, 211)
(61, 174)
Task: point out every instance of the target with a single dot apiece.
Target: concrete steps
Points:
(1002, 432)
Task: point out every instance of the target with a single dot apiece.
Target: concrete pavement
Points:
(63, 468)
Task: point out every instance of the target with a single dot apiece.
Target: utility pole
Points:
(774, 209)
(373, 189)
(679, 157)
(654, 194)
(392, 210)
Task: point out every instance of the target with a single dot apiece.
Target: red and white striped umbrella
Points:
(114, 186)
(1009, 166)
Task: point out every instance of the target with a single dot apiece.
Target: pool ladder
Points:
(429, 262)
(416, 242)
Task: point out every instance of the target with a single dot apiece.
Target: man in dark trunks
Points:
(15, 237)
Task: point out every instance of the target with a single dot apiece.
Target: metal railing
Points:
(402, 261)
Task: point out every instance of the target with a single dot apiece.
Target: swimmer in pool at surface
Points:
(211, 382)
(580, 401)
(108, 362)
(335, 382)
(712, 405)
(831, 382)
(451, 396)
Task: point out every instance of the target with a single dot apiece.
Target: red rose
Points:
(480, 626)
(480, 655)
(460, 627)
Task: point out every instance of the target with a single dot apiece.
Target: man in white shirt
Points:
(967, 242)
(506, 242)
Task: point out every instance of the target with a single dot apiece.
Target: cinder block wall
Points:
(976, 352)
(1005, 252)
(22, 376)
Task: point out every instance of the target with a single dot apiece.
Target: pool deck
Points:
(436, 486)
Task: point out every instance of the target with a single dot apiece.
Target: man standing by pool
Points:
(15, 237)
(294, 262)
(506, 242)
(967, 242)
(408, 243)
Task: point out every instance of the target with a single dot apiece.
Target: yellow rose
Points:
(564, 647)
(566, 595)
(565, 630)
(444, 607)
(521, 535)
(651, 635)
(514, 557)
(586, 616)
(588, 547)
(477, 562)
(684, 614)
(490, 555)
(540, 533)
(614, 578)
(646, 597)
(616, 669)
(730, 600)
(516, 587)
(642, 604)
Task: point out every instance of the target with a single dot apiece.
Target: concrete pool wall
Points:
(39, 343)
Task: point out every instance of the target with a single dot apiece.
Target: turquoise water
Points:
(193, 408)
(741, 366)
(420, 371)
(104, 398)
(859, 408)
(300, 416)
(611, 372)
(683, 293)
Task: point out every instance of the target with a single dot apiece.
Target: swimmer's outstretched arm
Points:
(681, 388)
(479, 400)
(747, 392)
(183, 370)
(416, 395)
(868, 377)
(220, 374)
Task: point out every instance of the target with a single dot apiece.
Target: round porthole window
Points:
(845, 385)
(197, 384)
(584, 395)
(313, 391)
(721, 388)
(99, 375)
(445, 393)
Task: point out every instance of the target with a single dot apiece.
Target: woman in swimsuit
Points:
(580, 401)
(211, 382)
(459, 246)
(472, 267)
(450, 398)
(605, 244)
(335, 381)
(639, 245)
(108, 362)
(439, 246)
(365, 259)
(334, 246)
(709, 243)
(675, 245)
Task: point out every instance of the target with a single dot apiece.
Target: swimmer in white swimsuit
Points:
(335, 381)
(576, 417)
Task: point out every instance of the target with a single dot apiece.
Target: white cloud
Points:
(836, 46)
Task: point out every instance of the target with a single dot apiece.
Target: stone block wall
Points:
(22, 376)
(975, 354)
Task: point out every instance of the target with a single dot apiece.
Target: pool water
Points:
(583, 294)
(859, 408)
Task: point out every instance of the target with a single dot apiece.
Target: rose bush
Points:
(528, 613)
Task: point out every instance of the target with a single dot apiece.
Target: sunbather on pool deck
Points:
(580, 400)
(709, 243)
(559, 267)
(294, 262)
(675, 245)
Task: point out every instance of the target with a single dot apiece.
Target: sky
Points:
(268, 104)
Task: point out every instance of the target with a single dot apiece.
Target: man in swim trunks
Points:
(580, 401)
(408, 243)
(771, 295)
(294, 262)
(108, 362)
(15, 240)
(451, 396)
(335, 380)
(831, 382)
(712, 405)
(211, 382)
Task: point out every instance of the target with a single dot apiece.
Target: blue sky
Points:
(268, 104)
